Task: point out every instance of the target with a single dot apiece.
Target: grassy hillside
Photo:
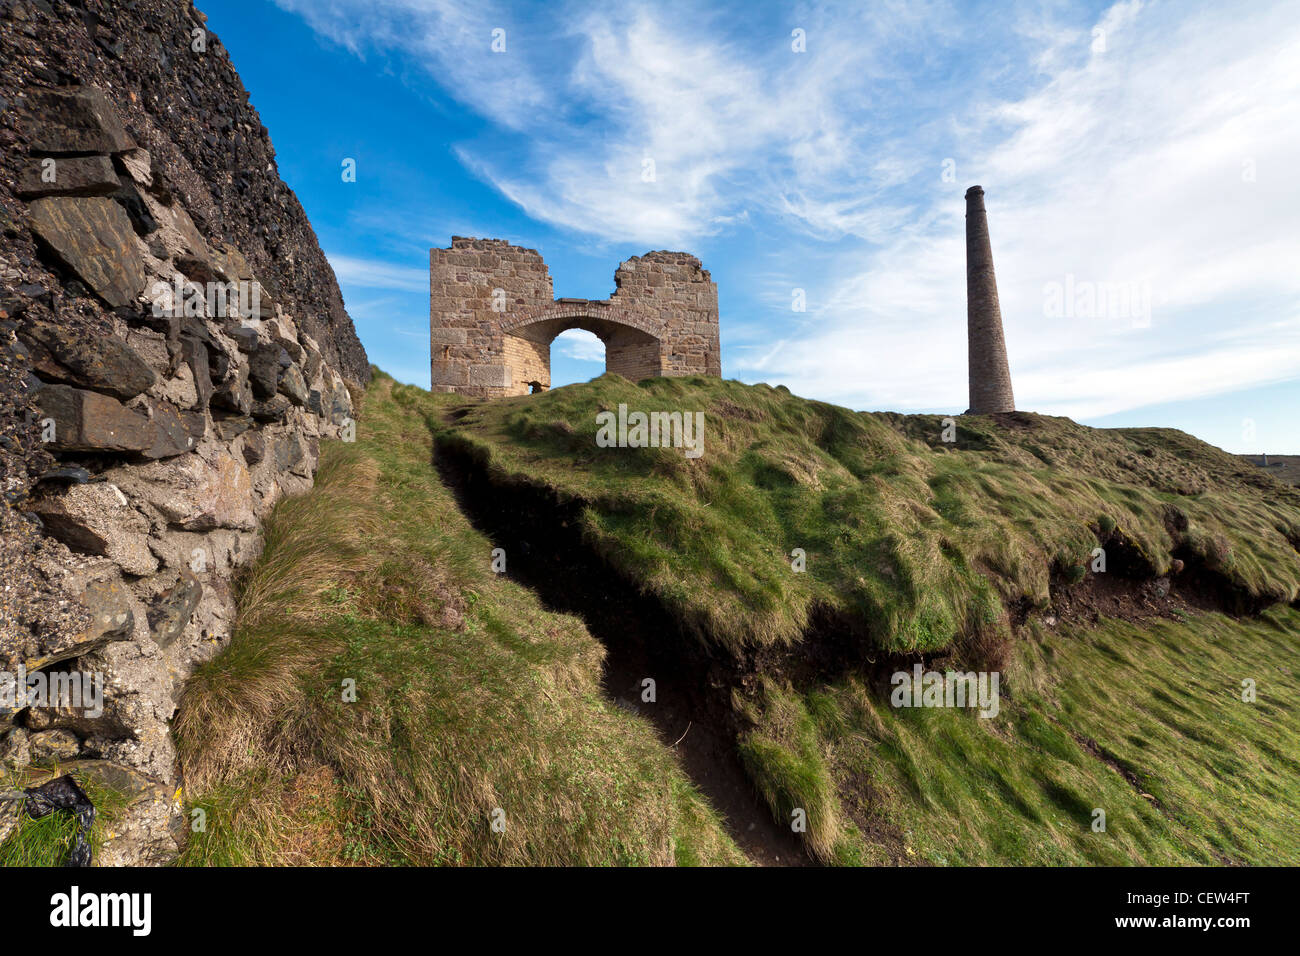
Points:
(1120, 691)
(470, 697)
(1145, 722)
(917, 542)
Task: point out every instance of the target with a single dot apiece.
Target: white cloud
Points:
(579, 345)
(355, 272)
(1126, 168)
(1113, 152)
(450, 40)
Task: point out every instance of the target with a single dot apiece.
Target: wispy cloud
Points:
(1150, 145)
(377, 274)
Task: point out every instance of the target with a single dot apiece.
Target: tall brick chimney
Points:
(990, 379)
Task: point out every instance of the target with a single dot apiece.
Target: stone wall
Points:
(173, 347)
(677, 291)
(465, 312)
(492, 318)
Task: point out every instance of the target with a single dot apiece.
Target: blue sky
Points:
(1141, 163)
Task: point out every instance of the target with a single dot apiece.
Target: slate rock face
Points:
(127, 523)
(70, 176)
(235, 394)
(292, 385)
(89, 421)
(111, 613)
(273, 409)
(173, 609)
(196, 356)
(264, 371)
(175, 435)
(94, 238)
(75, 120)
(228, 429)
(245, 337)
(63, 352)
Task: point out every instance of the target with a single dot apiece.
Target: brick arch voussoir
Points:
(618, 316)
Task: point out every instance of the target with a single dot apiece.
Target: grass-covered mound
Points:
(470, 698)
(919, 542)
(1145, 722)
(473, 697)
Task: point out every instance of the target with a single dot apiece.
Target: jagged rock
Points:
(311, 363)
(175, 433)
(254, 448)
(292, 385)
(137, 209)
(228, 429)
(74, 120)
(340, 404)
(15, 751)
(89, 421)
(73, 176)
(62, 352)
(179, 389)
(93, 237)
(196, 329)
(152, 348)
(285, 342)
(190, 240)
(98, 519)
(173, 608)
(195, 267)
(194, 493)
(264, 371)
(219, 361)
(288, 452)
(111, 614)
(196, 356)
(272, 410)
(235, 393)
(306, 465)
(196, 423)
(231, 265)
(314, 403)
(138, 164)
(245, 337)
(107, 612)
(54, 745)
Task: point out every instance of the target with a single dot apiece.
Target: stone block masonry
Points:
(146, 430)
(493, 316)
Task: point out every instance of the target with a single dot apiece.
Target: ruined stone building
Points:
(493, 316)
(990, 378)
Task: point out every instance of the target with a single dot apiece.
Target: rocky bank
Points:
(173, 346)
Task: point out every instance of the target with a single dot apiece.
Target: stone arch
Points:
(493, 315)
(634, 344)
